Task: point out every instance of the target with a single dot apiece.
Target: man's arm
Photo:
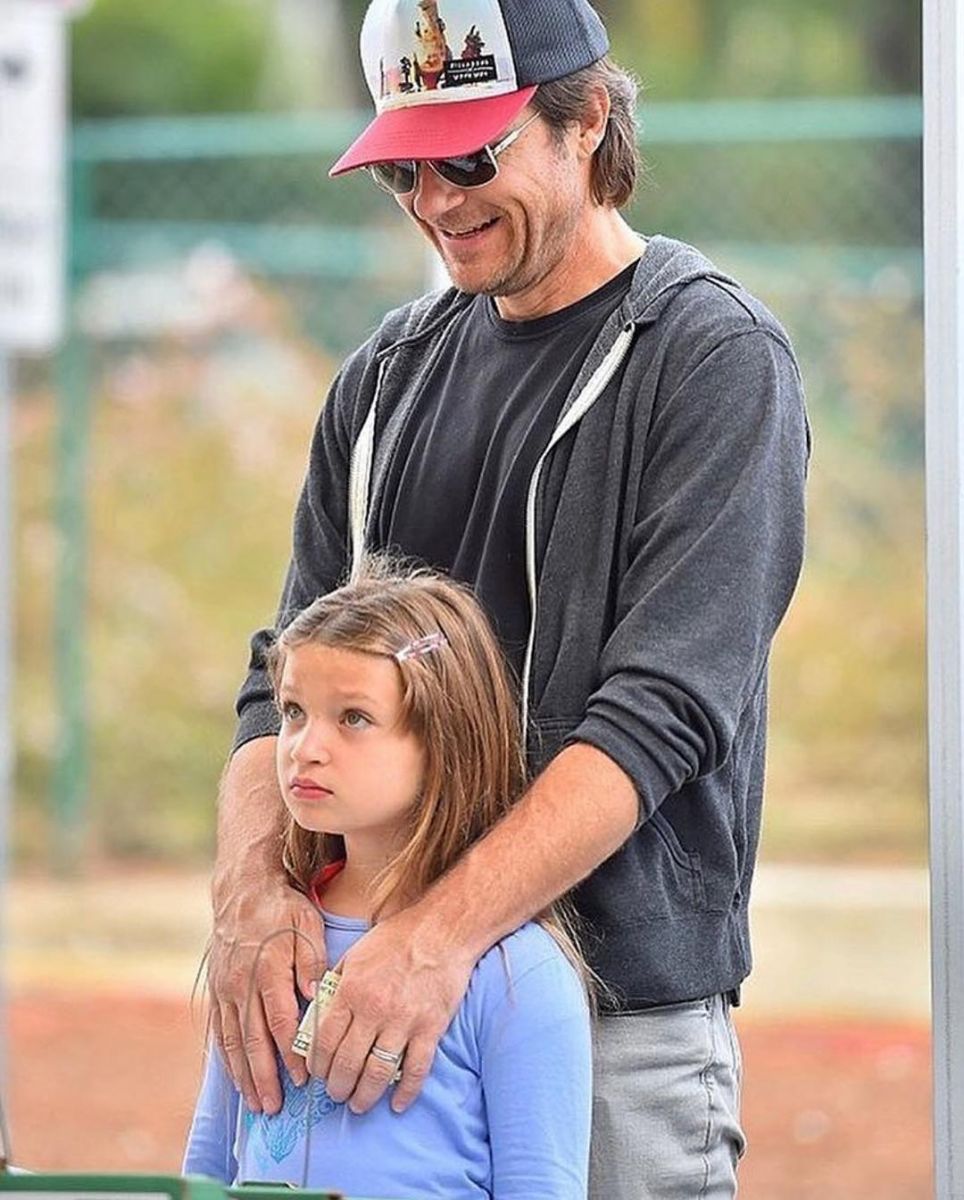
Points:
(403, 981)
(254, 1005)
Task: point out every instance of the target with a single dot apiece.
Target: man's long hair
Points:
(616, 164)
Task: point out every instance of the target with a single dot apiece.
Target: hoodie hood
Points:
(665, 268)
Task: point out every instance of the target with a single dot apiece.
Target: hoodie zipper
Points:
(359, 479)
(570, 418)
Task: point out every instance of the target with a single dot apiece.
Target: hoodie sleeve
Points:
(714, 556)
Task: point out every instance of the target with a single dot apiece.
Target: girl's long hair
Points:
(461, 704)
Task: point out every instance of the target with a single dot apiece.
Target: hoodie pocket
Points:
(656, 876)
(688, 873)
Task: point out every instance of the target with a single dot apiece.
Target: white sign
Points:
(33, 107)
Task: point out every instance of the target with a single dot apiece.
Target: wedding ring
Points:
(394, 1060)
(387, 1056)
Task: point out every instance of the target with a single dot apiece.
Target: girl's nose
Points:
(311, 745)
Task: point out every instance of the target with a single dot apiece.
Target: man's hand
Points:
(253, 999)
(401, 985)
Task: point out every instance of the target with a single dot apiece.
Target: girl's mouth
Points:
(305, 789)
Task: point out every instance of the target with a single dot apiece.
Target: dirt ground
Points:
(834, 1110)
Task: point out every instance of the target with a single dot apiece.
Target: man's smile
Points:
(460, 235)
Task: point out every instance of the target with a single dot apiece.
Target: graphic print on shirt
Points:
(303, 1107)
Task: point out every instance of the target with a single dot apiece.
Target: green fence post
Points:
(70, 779)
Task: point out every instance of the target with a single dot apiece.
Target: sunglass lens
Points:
(395, 177)
(467, 170)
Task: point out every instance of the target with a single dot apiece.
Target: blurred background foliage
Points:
(138, 57)
(175, 57)
(220, 277)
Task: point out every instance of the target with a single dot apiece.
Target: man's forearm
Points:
(250, 817)
(579, 811)
(252, 905)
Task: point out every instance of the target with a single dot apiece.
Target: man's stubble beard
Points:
(522, 275)
(558, 235)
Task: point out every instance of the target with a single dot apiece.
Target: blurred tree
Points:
(311, 63)
(141, 57)
(893, 31)
(702, 48)
(354, 14)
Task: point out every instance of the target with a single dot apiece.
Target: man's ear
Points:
(592, 124)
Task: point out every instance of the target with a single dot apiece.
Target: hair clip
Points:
(423, 646)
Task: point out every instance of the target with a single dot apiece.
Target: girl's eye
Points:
(355, 720)
(290, 711)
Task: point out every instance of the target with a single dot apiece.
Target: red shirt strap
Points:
(322, 879)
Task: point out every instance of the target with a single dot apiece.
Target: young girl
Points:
(399, 748)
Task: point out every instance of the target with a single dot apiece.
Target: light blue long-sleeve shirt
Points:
(504, 1113)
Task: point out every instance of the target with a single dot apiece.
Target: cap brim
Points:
(436, 130)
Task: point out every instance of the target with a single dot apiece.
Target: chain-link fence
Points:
(838, 177)
(218, 278)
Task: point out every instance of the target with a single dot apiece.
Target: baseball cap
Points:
(448, 76)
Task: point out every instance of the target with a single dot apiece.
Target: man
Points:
(606, 437)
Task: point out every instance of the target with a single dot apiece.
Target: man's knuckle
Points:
(367, 1005)
(405, 1093)
(253, 1041)
(231, 1041)
(274, 997)
(326, 1044)
(379, 1072)
(279, 1024)
(231, 982)
(350, 1065)
(377, 1009)
(271, 960)
(417, 1071)
(218, 984)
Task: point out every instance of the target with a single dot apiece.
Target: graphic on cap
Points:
(447, 79)
(419, 51)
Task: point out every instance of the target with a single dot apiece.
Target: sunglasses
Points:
(473, 170)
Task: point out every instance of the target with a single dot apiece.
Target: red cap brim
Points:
(439, 130)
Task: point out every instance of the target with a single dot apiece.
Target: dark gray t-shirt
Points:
(455, 490)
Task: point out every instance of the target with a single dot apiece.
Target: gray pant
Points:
(666, 1108)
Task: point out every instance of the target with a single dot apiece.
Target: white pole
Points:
(944, 302)
(33, 110)
(6, 678)
(436, 275)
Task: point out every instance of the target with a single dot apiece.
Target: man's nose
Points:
(433, 197)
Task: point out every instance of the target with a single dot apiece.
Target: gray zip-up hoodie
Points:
(665, 530)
